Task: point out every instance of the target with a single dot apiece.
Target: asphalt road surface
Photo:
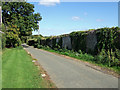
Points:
(68, 73)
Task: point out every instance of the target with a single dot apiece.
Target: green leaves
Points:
(106, 38)
(12, 36)
(20, 19)
(22, 15)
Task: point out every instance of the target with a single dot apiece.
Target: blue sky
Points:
(65, 17)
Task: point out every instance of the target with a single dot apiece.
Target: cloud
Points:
(76, 18)
(99, 20)
(49, 2)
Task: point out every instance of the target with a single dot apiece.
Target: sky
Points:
(65, 17)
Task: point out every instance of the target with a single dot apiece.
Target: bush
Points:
(12, 36)
(12, 40)
(55, 49)
(31, 42)
(60, 50)
(38, 39)
(107, 39)
(108, 57)
(35, 45)
(39, 46)
(101, 57)
(80, 52)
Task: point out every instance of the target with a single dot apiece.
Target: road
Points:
(68, 73)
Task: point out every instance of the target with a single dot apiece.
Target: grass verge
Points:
(18, 70)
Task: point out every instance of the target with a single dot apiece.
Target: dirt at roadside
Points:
(50, 83)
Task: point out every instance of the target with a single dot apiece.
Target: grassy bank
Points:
(18, 70)
(82, 56)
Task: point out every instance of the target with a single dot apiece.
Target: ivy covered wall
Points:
(91, 41)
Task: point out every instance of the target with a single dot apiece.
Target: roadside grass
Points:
(81, 56)
(18, 70)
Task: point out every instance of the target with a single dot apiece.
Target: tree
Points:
(3, 39)
(22, 15)
(12, 36)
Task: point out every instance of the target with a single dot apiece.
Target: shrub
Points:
(12, 36)
(80, 52)
(35, 45)
(66, 53)
(31, 42)
(106, 38)
(47, 47)
(39, 46)
(60, 50)
(38, 39)
(55, 49)
(12, 40)
(107, 57)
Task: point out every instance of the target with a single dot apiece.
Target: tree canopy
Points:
(22, 15)
(19, 20)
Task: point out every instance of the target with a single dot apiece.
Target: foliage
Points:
(101, 59)
(54, 43)
(109, 58)
(71, 53)
(79, 40)
(39, 46)
(31, 42)
(35, 45)
(38, 39)
(3, 36)
(106, 38)
(106, 51)
(59, 45)
(22, 15)
(12, 36)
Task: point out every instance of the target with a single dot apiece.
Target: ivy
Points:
(106, 38)
(79, 40)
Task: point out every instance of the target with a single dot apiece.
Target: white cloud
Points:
(99, 20)
(49, 2)
(76, 18)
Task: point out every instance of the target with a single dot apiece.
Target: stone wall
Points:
(66, 42)
(91, 41)
(85, 41)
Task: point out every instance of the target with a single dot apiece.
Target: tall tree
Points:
(22, 15)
